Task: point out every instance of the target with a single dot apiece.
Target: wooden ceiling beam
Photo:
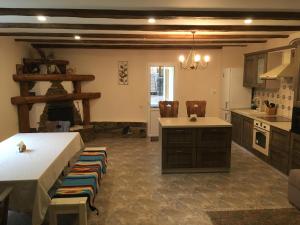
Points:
(138, 41)
(144, 14)
(135, 27)
(150, 47)
(147, 36)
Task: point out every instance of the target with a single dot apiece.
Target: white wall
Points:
(11, 53)
(130, 103)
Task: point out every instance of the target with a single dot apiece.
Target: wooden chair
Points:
(196, 107)
(168, 108)
(4, 200)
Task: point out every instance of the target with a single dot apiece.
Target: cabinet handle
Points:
(179, 131)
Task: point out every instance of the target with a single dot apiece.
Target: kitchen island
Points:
(200, 146)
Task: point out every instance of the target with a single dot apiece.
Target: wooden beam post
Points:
(23, 115)
(86, 111)
(76, 87)
(24, 89)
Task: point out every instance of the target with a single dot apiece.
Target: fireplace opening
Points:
(61, 111)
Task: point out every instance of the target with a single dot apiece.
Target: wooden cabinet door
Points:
(249, 70)
(236, 121)
(254, 65)
(279, 149)
(261, 67)
(213, 147)
(178, 148)
(247, 133)
(295, 152)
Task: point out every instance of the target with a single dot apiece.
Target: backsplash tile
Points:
(283, 97)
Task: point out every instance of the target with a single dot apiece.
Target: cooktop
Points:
(274, 118)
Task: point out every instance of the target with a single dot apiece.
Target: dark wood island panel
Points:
(195, 149)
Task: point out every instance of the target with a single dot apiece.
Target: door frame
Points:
(149, 108)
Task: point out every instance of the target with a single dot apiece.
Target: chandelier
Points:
(193, 61)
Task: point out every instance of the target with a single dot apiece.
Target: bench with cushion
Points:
(82, 182)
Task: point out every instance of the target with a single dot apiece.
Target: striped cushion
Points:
(96, 165)
(78, 187)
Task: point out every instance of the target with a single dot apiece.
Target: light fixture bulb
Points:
(77, 37)
(41, 18)
(151, 20)
(181, 58)
(197, 58)
(206, 58)
(248, 21)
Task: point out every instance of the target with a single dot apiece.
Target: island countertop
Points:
(184, 122)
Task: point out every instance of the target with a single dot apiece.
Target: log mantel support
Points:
(23, 115)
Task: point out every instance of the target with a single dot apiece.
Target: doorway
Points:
(161, 88)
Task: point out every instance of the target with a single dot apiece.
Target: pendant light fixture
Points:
(193, 61)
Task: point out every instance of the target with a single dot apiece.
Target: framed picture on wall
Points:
(123, 72)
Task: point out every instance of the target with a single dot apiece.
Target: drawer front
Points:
(214, 137)
(213, 160)
(178, 137)
(180, 160)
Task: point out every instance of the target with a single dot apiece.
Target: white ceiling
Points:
(243, 5)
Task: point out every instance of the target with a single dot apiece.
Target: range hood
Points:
(288, 67)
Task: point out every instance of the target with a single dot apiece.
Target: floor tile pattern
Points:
(134, 192)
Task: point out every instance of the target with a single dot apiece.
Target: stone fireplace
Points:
(58, 111)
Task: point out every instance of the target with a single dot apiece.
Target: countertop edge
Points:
(273, 124)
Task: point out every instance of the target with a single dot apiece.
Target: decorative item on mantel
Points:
(123, 72)
(194, 60)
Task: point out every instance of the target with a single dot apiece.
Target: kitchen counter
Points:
(184, 122)
(254, 115)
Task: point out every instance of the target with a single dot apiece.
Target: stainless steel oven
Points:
(261, 137)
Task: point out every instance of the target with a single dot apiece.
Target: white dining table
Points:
(34, 172)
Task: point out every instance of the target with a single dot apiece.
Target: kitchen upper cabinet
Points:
(237, 123)
(279, 149)
(254, 65)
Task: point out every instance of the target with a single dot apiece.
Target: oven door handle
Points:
(261, 130)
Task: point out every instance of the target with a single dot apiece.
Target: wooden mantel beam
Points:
(20, 100)
(53, 77)
(138, 27)
(144, 14)
(147, 36)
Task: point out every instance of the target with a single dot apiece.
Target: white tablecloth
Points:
(34, 172)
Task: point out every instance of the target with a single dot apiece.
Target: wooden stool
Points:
(68, 206)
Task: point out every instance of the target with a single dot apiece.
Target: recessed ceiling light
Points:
(248, 21)
(77, 37)
(42, 18)
(151, 20)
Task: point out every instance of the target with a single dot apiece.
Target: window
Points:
(162, 84)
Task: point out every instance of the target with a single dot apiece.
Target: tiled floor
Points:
(135, 192)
